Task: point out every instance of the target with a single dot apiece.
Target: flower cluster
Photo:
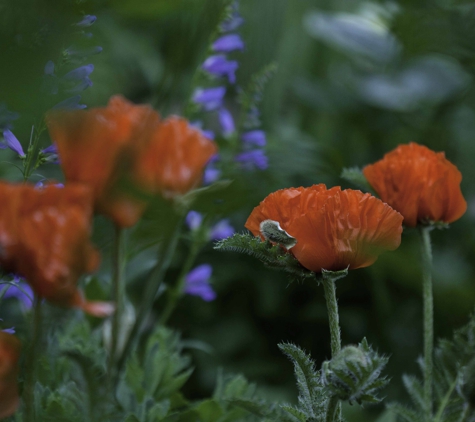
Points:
(124, 149)
(421, 184)
(218, 66)
(334, 229)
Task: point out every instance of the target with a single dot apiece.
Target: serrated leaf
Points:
(295, 414)
(252, 406)
(414, 388)
(409, 415)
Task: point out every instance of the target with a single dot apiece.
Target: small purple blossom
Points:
(22, 292)
(209, 98)
(211, 174)
(221, 230)
(52, 149)
(80, 72)
(193, 220)
(254, 137)
(71, 103)
(87, 20)
(252, 159)
(233, 22)
(218, 65)
(12, 142)
(41, 184)
(226, 121)
(197, 282)
(228, 43)
(9, 330)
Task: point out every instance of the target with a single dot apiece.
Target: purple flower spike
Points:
(221, 230)
(197, 282)
(254, 137)
(252, 159)
(193, 220)
(87, 20)
(13, 143)
(70, 104)
(79, 73)
(218, 65)
(226, 121)
(228, 43)
(209, 98)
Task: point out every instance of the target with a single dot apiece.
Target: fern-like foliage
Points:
(312, 398)
(271, 255)
(355, 176)
(453, 381)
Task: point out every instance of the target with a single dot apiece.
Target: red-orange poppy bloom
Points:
(9, 355)
(419, 183)
(44, 237)
(174, 161)
(334, 228)
(125, 148)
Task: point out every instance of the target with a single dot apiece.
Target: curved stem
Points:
(30, 364)
(175, 292)
(153, 283)
(333, 405)
(426, 252)
(118, 293)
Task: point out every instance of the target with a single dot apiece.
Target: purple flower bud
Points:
(228, 43)
(13, 143)
(87, 20)
(193, 220)
(52, 149)
(81, 86)
(218, 65)
(71, 103)
(254, 137)
(209, 98)
(210, 175)
(226, 121)
(221, 230)
(232, 23)
(79, 73)
(9, 330)
(22, 292)
(49, 68)
(252, 159)
(197, 282)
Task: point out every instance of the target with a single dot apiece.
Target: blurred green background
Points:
(354, 80)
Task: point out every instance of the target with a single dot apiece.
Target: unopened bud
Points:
(272, 231)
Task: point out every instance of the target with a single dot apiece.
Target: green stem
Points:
(332, 309)
(30, 364)
(333, 405)
(118, 294)
(153, 283)
(428, 318)
(445, 401)
(176, 291)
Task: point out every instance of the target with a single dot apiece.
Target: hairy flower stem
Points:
(177, 290)
(118, 294)
(153, 283)
(329, 278)
(426, 250)
(30, 364)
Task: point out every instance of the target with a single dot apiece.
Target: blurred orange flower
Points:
(334, 228)
(419, 183)
(9, 355)
(124, 148)
(44, 237)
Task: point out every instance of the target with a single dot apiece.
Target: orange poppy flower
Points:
(44, 237)
(9, 355)
(126, 145)
(174, 161)
(97, 148)
(334, 228)
(419, 183)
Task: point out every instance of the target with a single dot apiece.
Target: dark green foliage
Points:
(312, 397)
(354, 374)
(355, 176)
(273, 256)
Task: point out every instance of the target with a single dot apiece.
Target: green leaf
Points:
(407, 414)
(415, 390)
(295, 414)
(355, 175)
(209, 411)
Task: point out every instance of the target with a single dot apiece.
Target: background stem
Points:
(426, 252)
(30, 364)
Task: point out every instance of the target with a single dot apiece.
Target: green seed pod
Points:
(272, 231)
